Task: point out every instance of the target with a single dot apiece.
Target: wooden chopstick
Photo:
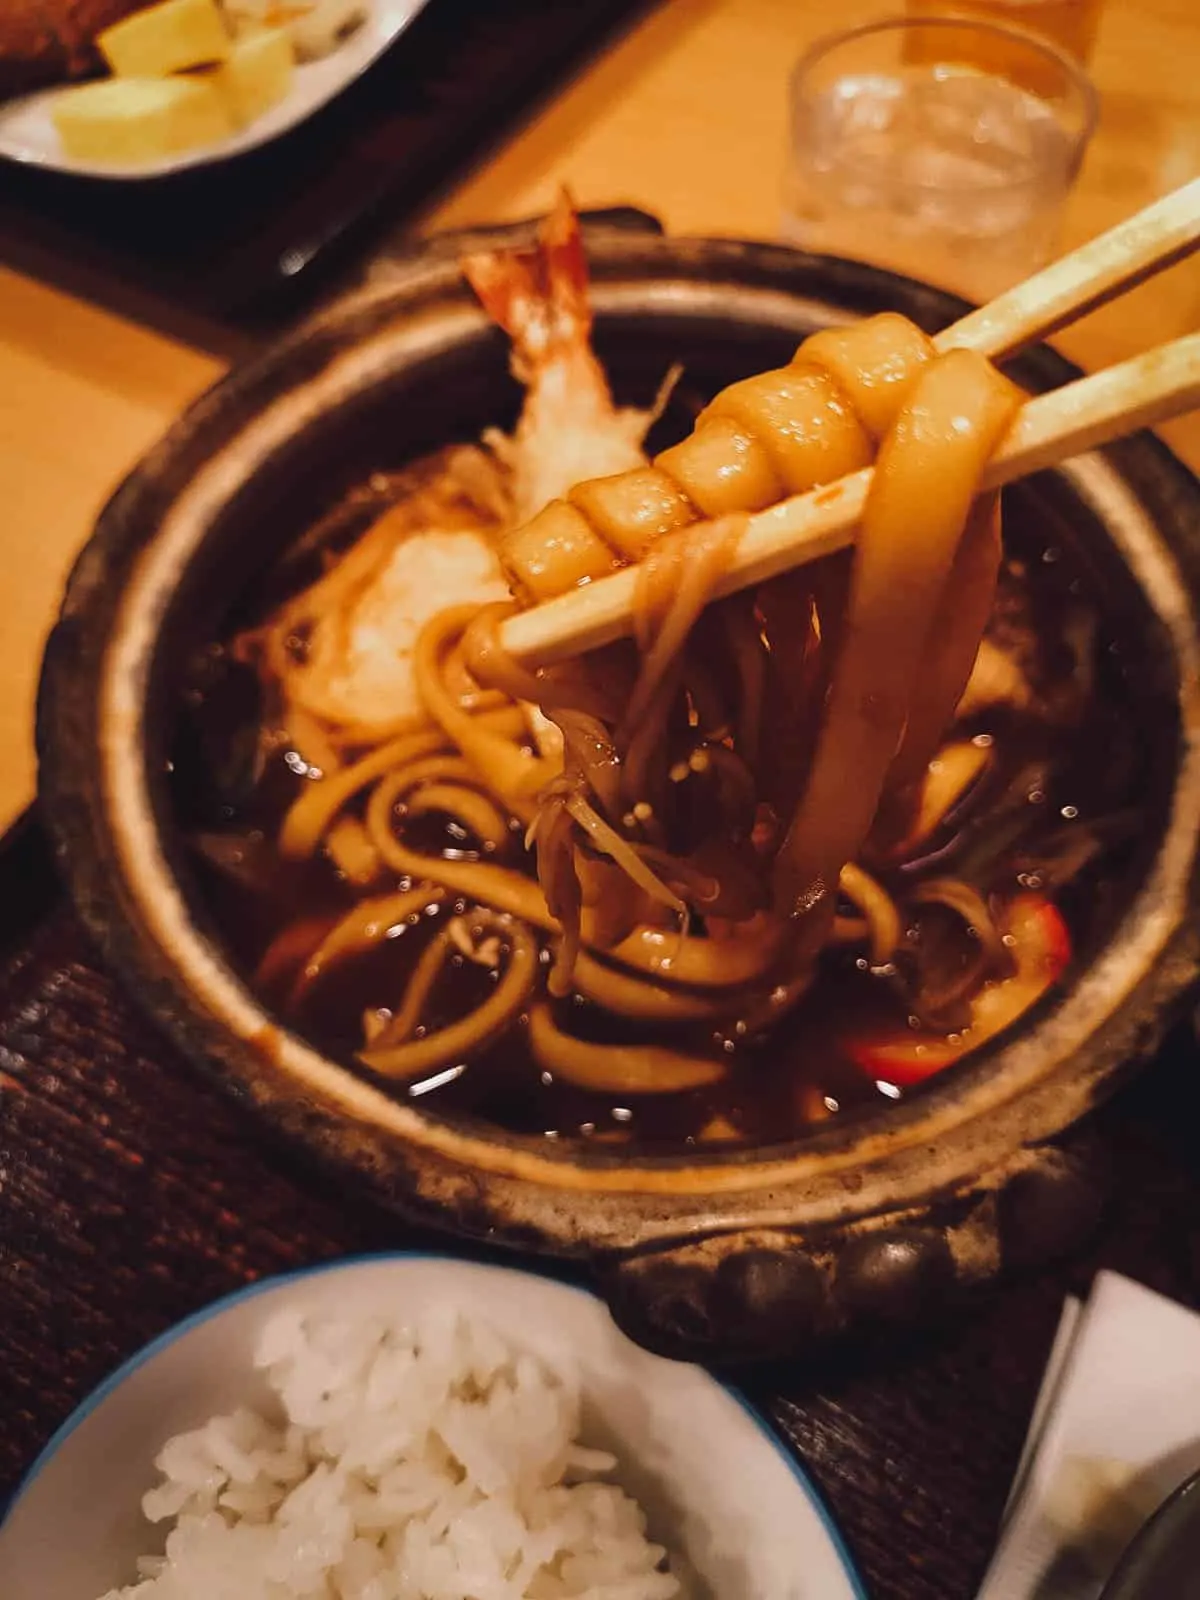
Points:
(1136, 249)
(1049, 428)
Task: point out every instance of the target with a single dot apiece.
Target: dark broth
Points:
(1049, 782)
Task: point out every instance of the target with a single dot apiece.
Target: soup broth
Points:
(1055, 812)
(767, 858)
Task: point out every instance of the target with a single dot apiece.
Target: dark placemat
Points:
(131, 1192)
(247, 243)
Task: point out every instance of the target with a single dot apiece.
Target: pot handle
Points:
(759, 1293)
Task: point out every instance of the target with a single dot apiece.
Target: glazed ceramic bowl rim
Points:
(171, 1336)
(883, 1161)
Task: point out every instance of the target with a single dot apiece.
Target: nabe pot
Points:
(765, 1251)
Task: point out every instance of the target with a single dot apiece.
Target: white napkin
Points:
(1116, 1428)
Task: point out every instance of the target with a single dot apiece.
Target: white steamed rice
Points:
(404, 1463)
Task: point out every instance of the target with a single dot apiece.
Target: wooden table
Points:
(685, 117)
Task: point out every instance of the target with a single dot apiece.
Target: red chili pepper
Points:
(1041, 948)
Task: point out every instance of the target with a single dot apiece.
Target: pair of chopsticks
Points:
(1048, 429)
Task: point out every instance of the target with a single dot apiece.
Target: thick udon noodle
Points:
(712, 804)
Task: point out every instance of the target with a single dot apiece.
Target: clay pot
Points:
(875, 1222)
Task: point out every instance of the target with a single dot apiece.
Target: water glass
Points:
(941, 148)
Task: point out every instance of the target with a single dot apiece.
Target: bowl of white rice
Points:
(413, 1427)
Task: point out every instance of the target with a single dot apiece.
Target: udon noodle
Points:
(720, 810)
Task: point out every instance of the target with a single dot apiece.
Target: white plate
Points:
(27, 134)
(719, 1489)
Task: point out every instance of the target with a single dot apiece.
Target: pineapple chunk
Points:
(257, 75)
(165, 38)
(127, 122)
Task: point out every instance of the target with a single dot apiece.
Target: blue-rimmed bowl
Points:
(720, 1490)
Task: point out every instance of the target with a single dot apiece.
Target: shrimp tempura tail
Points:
(539, 296)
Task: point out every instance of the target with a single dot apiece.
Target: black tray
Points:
(132, 1192)
(244, 245)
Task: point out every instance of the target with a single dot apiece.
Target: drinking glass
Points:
(941, 148)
